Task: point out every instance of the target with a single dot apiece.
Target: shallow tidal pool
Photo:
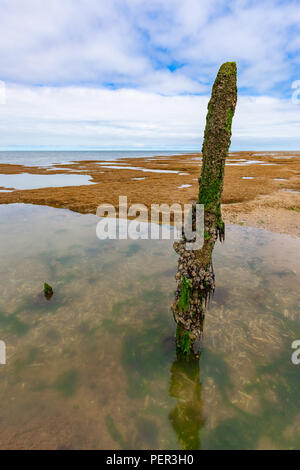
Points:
(95, 367)
(28, 181)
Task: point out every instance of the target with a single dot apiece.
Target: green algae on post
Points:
(183, 342)
(184, 300)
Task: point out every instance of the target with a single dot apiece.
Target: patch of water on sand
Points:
(287, 190)
(28, 181)
(249, 162)
(136, 168)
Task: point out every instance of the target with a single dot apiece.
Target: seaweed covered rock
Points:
(48, 291)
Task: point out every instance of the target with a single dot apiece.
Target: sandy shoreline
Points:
(261, 188)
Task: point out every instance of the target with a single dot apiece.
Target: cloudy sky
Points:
(138, 73)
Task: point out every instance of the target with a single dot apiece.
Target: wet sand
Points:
(261, 189)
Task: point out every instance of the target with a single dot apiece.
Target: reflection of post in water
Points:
(195, 276)
(187, 416)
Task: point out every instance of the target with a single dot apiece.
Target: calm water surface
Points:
(95, 367)
(28, 181)
(48, 158)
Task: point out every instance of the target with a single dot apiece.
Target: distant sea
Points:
(45, 158)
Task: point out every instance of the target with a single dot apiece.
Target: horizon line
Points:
(134, 149)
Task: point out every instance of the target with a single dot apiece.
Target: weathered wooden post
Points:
(216, 143)
(195, 276)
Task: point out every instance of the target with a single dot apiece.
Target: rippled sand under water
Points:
(96, 367)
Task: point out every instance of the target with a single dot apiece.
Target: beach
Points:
(149, 228)
(261, 189)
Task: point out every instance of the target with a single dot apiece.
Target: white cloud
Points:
(130, 42)
(70, 41)
(160, 53)
(78, 116)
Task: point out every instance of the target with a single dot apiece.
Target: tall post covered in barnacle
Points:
(216, 143)
(195, 275)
